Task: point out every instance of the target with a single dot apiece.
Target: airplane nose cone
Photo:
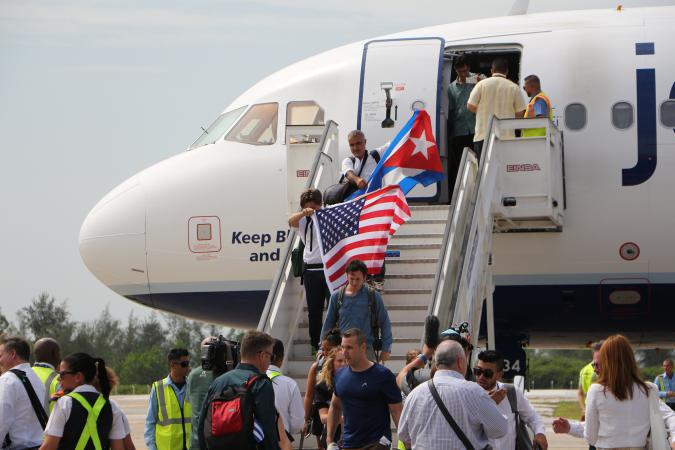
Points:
(112, 239)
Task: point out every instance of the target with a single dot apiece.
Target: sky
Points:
(92, 92)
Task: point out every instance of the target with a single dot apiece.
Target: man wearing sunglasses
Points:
(488, 371)
(167, 424)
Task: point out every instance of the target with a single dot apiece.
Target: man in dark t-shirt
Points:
(364, 394)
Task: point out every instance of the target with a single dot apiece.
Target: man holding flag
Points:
(353, 237)
(411, 158)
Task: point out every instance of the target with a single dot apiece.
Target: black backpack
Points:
(337, 193)
(229, 417)
(372, 307)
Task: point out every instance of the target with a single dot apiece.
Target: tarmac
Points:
(544, 401)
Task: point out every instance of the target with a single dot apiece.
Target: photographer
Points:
(198, 383)
(418, 371)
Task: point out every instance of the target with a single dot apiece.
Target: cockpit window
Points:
(218, 128)
(258, 126)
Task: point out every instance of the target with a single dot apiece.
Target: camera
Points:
(220, 355)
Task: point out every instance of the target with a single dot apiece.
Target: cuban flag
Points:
(411, 158)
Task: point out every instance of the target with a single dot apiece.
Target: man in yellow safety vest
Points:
(666, 383)
(168, 422)
(539, 106)
(47, 358)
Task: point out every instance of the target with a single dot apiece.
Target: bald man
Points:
(47, 358)
(423, 425)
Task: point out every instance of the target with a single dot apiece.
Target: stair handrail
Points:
(271, 320)
(449, 260)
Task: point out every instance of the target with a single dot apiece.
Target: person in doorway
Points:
(496, 96)
(425, 426)
(489, 370)
(169, 396)
(19, 424)
(357, 305)
(47, 358)
(364, 395)
(539, 106)
(69, 424)
(314, 280)
(666, 384)
(462, 121)
(287, 399)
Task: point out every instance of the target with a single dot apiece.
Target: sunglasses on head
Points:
(487, 373)
(183, 364)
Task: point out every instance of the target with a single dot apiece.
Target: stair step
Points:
(402, 323)
(395, 260)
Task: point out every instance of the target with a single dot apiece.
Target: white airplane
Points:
(200, 234)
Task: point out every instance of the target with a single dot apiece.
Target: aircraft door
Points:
(398, 76)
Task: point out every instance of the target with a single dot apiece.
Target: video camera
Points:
(220, 355)
(459, 333)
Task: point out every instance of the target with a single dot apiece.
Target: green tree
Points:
(143, 366)
(4, 323)
(44, 317)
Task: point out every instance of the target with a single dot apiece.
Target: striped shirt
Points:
(425, 427)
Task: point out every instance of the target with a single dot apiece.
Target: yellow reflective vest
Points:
(51, 381)
(529, 114)
(586, 378)
(173, 427)
(90, 431)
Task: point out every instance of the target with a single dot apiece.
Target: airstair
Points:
(439, 262)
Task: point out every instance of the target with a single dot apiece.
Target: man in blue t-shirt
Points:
(364, 393)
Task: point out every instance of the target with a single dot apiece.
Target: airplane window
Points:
(622, 115)
(257, 127)
(668, 113)
(575, 116)
(304, 113)
(218, 128)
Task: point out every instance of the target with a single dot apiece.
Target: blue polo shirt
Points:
(365, 398)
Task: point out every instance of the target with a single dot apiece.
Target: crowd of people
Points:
(350, 400)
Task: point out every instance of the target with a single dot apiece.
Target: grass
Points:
(569, 410)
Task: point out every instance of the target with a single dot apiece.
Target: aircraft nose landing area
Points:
(112, 240)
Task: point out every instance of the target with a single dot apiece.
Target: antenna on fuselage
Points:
(519, 7)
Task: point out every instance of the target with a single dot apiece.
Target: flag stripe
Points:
(359, 229)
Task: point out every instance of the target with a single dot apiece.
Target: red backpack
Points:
(229, 418)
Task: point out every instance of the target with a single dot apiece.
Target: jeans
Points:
(316, 294)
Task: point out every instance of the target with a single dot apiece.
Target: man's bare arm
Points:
(471, 107)
(395, 410)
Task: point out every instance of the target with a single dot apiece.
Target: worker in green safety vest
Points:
(47, 359)
(84, 418)
(539, 106)
(168, 423)
(587, 376)
(666, 384)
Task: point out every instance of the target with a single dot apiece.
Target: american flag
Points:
(359, 229)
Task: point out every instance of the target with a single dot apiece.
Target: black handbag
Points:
(337, 193)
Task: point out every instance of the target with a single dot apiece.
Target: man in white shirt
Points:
(488, 371)
(360, 166)
(422, 424)
(496, 96)
(19, 423)
(287, 399)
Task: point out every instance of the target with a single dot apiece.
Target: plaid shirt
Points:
(423, 425)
